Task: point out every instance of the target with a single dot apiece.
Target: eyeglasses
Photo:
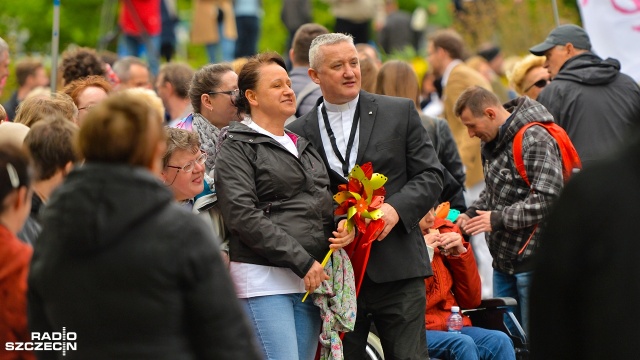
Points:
(540, 83)
(191, 164)
(232, 93)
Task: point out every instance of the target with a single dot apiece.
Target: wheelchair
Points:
(492, 314)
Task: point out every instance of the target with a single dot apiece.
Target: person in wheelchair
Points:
(455, 282)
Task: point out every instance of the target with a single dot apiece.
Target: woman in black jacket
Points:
(120, 264)
(273, 191)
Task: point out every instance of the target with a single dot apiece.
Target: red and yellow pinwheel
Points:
(360, 199)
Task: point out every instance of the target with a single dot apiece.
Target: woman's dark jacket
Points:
(134, 275)
(278, 208)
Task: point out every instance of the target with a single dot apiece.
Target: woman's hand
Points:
(342, 237)
(315, 276)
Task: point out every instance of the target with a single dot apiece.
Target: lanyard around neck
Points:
(332, 138)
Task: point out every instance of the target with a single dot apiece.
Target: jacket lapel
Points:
(368, 112)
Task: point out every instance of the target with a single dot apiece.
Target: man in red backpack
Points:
(510, 208)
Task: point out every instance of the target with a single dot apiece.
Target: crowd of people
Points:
(166, 212)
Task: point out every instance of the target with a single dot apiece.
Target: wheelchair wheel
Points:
(374, 348)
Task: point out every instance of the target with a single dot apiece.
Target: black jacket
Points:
(594, 102)
(587, 267)
(278, 208)
(447, 151)
(119, 263)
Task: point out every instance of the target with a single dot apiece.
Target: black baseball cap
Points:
(562, 35)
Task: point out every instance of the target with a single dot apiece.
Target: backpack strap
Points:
(304, 93)
(517, 152)
(569, 156)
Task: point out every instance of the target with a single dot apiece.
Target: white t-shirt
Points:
(253, 280)
(284, 140)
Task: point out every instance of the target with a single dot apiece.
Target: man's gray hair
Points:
(3, 46)
(315, 57)
(122, 67)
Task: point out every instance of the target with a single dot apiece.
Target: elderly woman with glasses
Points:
(529, 76)
(213, 91)
(183, 171)
(273, 190)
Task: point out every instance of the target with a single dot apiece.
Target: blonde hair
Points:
(36, 108)
(521, 69)
(149, 97)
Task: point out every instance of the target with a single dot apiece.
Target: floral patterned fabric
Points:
(336, 299)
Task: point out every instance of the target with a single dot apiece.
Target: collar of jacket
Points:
(523, 110)
(241, 132)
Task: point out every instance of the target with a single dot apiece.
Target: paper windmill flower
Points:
(361, 197)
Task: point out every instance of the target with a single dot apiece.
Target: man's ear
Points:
(490, 113)
(313, 74)
(570, 50)
(291, 55)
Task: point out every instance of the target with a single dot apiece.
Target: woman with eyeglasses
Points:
(273, 191)
(213, 91)
(121, 264)
(15, 203)
(529, 76)
(183, 172)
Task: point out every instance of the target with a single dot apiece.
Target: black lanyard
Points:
(332, 138)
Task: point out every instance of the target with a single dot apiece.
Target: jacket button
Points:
(250, 140)
(231, 136)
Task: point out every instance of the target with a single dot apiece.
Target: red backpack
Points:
(570, 158)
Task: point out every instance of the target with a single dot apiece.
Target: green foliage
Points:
(27, 24)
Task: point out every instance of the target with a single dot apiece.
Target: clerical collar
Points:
(343, 107)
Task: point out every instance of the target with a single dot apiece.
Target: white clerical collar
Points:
(342, 107)
(447, 71)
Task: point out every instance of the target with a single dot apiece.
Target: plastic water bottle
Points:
(454, 322)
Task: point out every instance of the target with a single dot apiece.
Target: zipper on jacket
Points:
(267, 211)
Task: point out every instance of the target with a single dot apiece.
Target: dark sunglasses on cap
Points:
(540, 83)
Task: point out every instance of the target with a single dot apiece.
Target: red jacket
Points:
(149, 13)
(455, 282)
(14, 266)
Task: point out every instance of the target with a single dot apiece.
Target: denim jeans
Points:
(227, 47)
(286, 327)
(516, 286)
(129, 45)
(473, 343)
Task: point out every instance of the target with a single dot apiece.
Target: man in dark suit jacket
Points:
(387, 132)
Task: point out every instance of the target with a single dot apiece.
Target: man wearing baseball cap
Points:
(589, 97)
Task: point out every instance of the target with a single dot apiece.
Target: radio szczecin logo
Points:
(46, 341)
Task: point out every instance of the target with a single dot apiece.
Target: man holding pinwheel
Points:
(351, 127)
